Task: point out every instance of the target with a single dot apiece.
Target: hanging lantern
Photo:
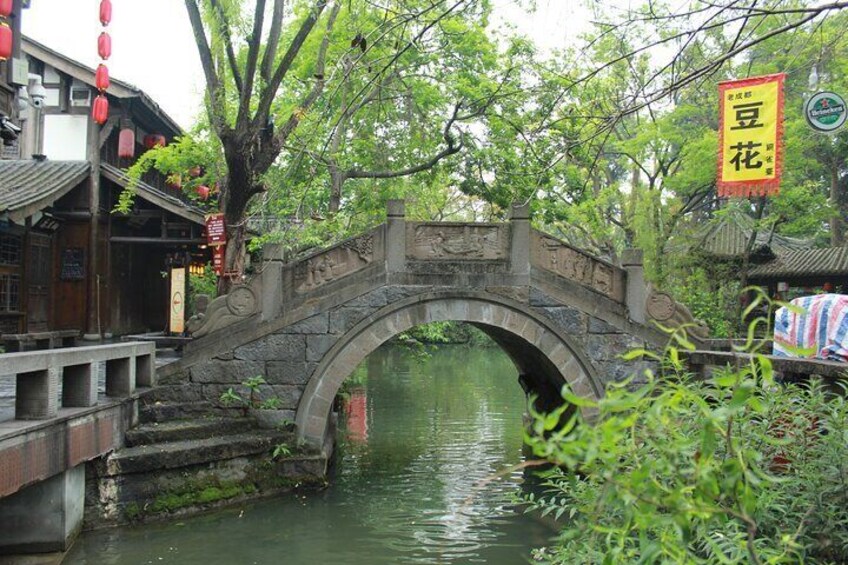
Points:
(203, 192)
(154, 140)
(126, 143)
(101, 77)
(100, 109)
(105, 12)
(6, 8)
(5, 42)
(104, 46)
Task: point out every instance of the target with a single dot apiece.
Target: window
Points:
(10, 250)
(10, 295)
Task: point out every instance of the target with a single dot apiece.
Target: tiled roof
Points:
(154, 195)
(825, 262)
(729, 237)
(29, 186)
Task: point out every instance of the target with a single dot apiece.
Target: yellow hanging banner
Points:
(750, 132)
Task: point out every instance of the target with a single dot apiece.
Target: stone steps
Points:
(180, 430)
(167, 411)
(175, 454)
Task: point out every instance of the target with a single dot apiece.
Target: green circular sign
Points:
(825, 111)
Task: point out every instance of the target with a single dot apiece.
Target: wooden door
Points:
(39, 275)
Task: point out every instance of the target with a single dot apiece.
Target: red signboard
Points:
(216, 231)
(218, 259)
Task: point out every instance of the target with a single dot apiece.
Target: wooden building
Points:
(67, 261)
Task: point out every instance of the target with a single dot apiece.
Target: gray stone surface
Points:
(571, 320)
(288, 373)
(44, 517)
(228, 372)
(317, 324)
(343, 319)
(598, 326)
(318, 345)
(289, 347)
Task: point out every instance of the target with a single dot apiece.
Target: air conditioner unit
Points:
(80, 96)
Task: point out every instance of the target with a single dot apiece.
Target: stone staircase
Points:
(189, 456)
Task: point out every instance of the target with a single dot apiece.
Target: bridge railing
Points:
(560, 258)
(38, 374)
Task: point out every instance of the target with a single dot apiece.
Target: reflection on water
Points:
(418, 440)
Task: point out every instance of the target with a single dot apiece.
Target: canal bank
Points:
(419, 440)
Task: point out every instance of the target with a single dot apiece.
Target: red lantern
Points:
(126, 143)
(104, 46)
(154, 140)
(6, 8)
(203, 192)
(105, 12)
(101, 78)
(100, 109)
(5, 42)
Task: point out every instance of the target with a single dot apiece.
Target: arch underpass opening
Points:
(544, 357)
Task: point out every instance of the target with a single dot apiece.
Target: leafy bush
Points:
(731, 469)
(206, 283)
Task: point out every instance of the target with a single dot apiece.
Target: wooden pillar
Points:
(92, 331)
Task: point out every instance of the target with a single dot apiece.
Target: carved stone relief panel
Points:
(555, 256)
(334, 263)
(457, 242)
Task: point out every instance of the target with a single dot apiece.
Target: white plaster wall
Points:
(65, 137)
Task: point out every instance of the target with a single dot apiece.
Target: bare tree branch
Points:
(273, 42)
(224, 25)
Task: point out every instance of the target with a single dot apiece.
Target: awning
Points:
(154, 195)
(27, 187)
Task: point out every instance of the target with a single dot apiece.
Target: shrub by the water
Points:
(733, 469)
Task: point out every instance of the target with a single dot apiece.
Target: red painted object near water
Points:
(357, 416)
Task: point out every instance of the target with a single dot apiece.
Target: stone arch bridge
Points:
(562, 315)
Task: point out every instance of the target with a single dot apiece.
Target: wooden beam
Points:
(158, 240)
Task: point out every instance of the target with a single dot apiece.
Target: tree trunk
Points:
(836, 236)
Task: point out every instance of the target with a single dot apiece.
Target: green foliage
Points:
(205, 283)
(193, 152)
(715, 301)
(732, 469)
(250, 396)
(281, 450)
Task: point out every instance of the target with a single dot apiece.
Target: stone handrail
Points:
(551, 254)
(335, 262)
(698, 361)
(37, 376)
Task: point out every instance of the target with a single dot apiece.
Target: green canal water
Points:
(419, 444)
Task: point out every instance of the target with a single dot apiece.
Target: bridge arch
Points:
(544, 356)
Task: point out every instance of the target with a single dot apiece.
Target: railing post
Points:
(631, 261)
(519, 250)
(272, 281)
(37, 394)
(395, 236)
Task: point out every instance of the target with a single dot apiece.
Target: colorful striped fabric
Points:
(823, 329)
